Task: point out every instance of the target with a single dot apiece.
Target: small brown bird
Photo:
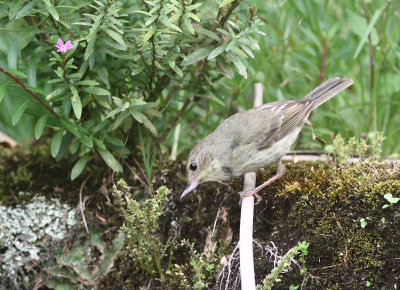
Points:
(252, 139)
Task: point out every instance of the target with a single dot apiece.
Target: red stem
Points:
(36, 97)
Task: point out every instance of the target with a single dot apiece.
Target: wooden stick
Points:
(247, 276)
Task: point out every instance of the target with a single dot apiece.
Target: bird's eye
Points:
(193, 166)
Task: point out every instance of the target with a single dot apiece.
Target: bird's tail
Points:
(327, 90)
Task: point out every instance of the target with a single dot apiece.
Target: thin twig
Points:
(82, 204)
(247, 275)
(142, 171)
(36, 97)
(135, 175)
(175, 120)
(225, 18)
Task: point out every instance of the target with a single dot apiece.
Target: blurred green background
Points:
(307, 41)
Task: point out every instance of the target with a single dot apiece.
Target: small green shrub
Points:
(284, 264)
(117, 66)
(154, 254)
(141, 227)
(369, 148)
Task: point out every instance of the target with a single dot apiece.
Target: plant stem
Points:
(228, 13)
(36, 97)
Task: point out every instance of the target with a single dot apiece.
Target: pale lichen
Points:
(26, 230)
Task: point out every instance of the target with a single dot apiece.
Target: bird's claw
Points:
(250, 193)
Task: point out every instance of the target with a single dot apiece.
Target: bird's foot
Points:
(248, 193)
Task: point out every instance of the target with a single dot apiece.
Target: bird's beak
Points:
(190, 187)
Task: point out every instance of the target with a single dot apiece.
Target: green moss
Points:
(324, 205)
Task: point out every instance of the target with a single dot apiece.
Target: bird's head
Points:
(204, 165)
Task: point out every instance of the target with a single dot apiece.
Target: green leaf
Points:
(141, 118)
(114, 141)
(239, 52)
(40, 124)
(17, 5)
(217, 51)
(194, 6)
(89, 49)
(99, 144)
(239, 65)
(102, 100)
(76, 102)
(95, 28)
(56, 143)
(96, 91)
(194, 16)
(78, 131)
(155, 8)
(141, 12)
(117, 37)
(389, 197)
(71, 127)
(12, 55)
(225, 2)
(110, 160)
(25, 10)
(57, 56)
(368, 30)
(86, 141)
(137, 115)
(53, 12)
(247, 50)
(114, 112)
(224, 32)
(151, 20)
(189, 26)
(56, 92)
(16, 73)
(79, 166)
(31, 74)
(3, 89)
(138, 102)
(17, 114)
(87, 83)
(178, 70)
(171, 62)
(149, 33)
(209, 33)
(149, 125)
(197, 55)
(169, 24)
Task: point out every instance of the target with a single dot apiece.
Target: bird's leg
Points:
(280, 170)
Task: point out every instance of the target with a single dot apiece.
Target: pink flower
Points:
(63, 47)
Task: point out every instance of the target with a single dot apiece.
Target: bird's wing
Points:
(283, 118)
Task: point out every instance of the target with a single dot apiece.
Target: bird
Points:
(253, 139)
